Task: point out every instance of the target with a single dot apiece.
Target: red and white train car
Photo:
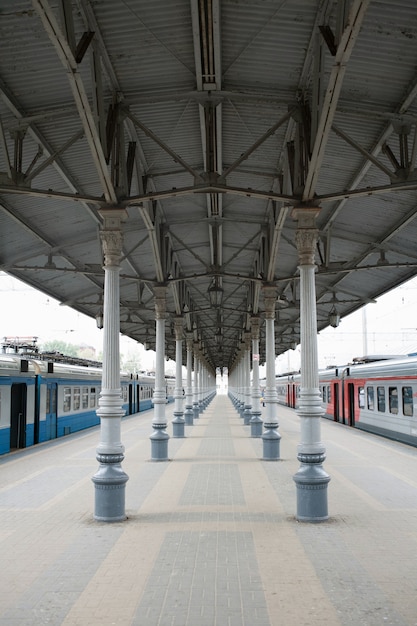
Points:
(376, 394)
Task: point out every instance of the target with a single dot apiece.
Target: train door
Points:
(36, 421)
(138, 388)
(50, 411)
(336, 401)
(18, 416)
(131, 400)
(351, 404)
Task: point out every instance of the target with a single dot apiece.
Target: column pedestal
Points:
(311, 484)
(109, 482)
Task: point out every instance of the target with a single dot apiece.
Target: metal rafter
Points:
(67, 59)
(344, 50)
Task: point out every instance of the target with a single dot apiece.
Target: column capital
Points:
(307, 233)
(270, 293)
(111, 235)
(255, 326)
(306, 241)
(305, 215)
(160, 299)
(179, 328)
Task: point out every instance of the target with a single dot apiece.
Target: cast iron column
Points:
(178, 423)
(110, 479)
(196, 413)
(189, 415)
(256, 421)
(271, 437)
(247, 411)
(159, 439)
(311, 479)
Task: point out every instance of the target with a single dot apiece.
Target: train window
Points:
(67, 399)
(85, 398)
(76, 398)
(370, 398)
(408, 401)
(393, 400)
(380, 395)
(361, 397)
(92, 396)
(53, 400)
(329, 393)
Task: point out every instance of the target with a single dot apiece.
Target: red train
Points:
(376, 394)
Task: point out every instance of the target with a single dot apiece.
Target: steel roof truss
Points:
(66, 56)
(344, 50)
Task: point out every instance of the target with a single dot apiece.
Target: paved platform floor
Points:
(211, 538)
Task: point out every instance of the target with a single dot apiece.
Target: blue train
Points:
(42, 397)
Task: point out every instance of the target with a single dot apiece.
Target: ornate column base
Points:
(256, 425)
(178, 425)
(196, 412)
(247, 415)
(189, 415)
(159, 443)
(311, 481)
(271, 443)
(110, 481)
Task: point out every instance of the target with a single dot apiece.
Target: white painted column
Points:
(195, 386)
(159, 439)
(247, 410)
(256, 421)
(271, 437)
(178, 423)
(110, 479)
(188, 415)
(311, 479)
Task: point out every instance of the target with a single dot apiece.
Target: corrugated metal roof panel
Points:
(208, 92)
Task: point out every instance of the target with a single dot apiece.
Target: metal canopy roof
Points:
(208, 120)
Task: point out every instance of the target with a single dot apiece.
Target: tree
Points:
(67, 349)
(131, 362)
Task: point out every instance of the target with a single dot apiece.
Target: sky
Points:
(26, 312)
(387, 327)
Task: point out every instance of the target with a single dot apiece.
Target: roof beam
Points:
(67, 59)
(274, 246)
(154, 239)
(176, 157)
(344, 50)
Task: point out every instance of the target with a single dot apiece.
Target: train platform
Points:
(211, 537)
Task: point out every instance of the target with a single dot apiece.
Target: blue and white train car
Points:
(42, 400)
